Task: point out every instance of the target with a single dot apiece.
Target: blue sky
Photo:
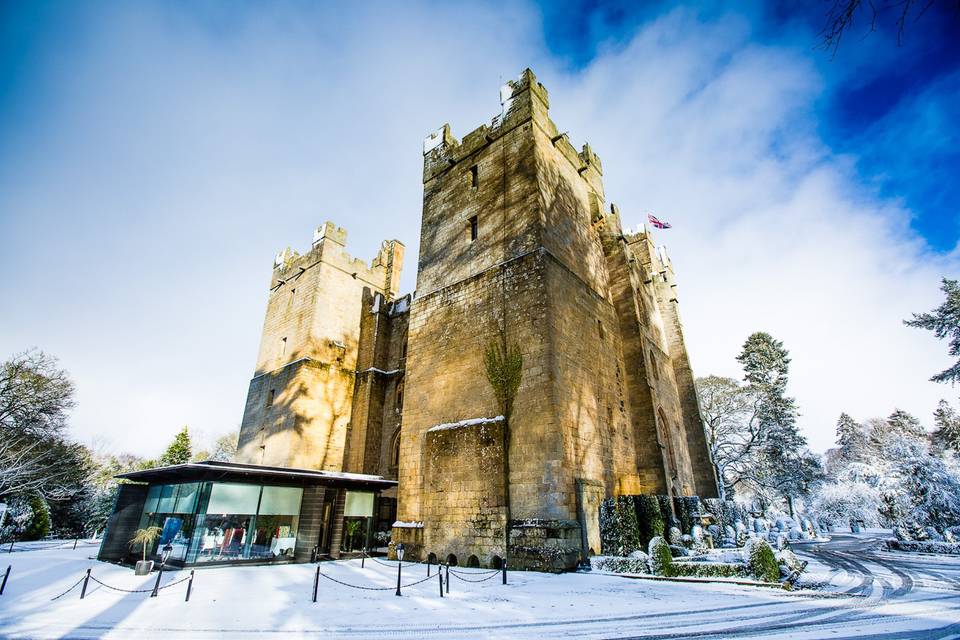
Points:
(154, 156)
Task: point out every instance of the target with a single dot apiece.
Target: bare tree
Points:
(844, 14)
(35, 398)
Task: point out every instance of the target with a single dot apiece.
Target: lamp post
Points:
(399, 565)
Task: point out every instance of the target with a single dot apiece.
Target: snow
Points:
(386, 373)
(401, 305)
(400, 524)
(375, 308)
(464, 423)
(433, 141)
(231, 602)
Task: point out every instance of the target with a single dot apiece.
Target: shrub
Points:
(708, 570)
(619, 564)
(666, 512)
(676, 538)
(649, 519)
(761, 560)
(39, 524)
(946, 548)
(660, 557)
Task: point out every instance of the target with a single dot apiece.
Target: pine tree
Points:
(851, 438)
(946, 437)
(788, 467)
(944, 321)
(904, 424)
(179, 451)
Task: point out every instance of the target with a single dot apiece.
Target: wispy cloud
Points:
(162, 156)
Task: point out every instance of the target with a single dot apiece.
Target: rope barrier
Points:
(75, 584)
(384, 563)
(353, 586)
(489, 577)
(476, 573)
(169, 584)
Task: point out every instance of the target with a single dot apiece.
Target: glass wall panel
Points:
(231, 498)
(153, 494)
(168, 498)
(280, 501)
(359, 504)
(187, 497)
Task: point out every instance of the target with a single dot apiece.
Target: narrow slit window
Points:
(474, 177)
(283, 347)
(474, 229)
(399, 401)
(270, 396)
(600, 330)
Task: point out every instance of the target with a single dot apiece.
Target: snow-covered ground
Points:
(237, 601)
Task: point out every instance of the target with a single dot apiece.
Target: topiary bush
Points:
(760, 558)
(666, 512)
(619, 534)
(660, 557)
(39, 524)
(687, 508)
(649, 519)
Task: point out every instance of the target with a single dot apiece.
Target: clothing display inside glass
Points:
(223, 537)
(171, 507)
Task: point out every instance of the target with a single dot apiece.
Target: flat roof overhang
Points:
(212, 470)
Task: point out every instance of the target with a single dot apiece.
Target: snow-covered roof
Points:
(214, 469)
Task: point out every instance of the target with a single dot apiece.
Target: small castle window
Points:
(270, 395)
(474, 176)
(283, 347)
(403, 349)
(474, 228)
(654, 367)
(395, 454)
(600, 330)
(399, 402)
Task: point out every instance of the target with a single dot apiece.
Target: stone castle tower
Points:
(300, 400)
(518, 248)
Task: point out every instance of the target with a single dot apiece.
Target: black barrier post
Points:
(440, 581)
(504, 571)
(189, 587)
(428, 566)
(10, 550)
(156, 585)
(75, 544)
(363, 557)
(399, 568)
(5, 576)
(448, 577)
(83, 591)
(316, 583)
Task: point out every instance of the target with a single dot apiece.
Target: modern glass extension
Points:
(223, 521)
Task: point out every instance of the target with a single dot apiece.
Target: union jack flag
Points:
(657, 223)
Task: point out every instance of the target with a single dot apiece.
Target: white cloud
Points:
(175, 155)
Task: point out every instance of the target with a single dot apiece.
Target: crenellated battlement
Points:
(521, 100)
(329, 247)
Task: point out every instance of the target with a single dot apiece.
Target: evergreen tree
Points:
(787, 467)
(946, 437)
(179, 451)
(944, 321)
(903, 424)
(851, 438)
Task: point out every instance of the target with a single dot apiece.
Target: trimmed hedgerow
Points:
(708, 570)
(924, 546)
(619, 535)
(617, 564)
(666, 512)
(686, 507)
(660, 557)
(649, 519)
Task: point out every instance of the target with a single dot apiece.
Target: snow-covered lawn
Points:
(230, 600)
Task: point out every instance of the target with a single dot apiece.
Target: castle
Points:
(518, 252)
